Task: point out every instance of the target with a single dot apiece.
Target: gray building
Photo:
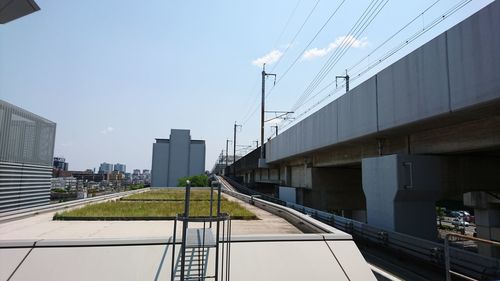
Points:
(120, 167)
(60, 163)
(177, 157)
(26, 155)
(105, 168)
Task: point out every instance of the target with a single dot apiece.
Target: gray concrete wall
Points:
(274, 174)
(197, 159)
(455, 71)
(474, 58)
(159, 170)
(357, 111)
(415, 87)
(401, 191)
(179, 156)
(300, 176)
(288, 194)
(175, 158)
(337, 189)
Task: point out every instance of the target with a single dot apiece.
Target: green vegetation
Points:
(157, 204)
(171, 195)
(446, 227)
(135, 186)
(153, 210)
(58, 190)
(440, 214)
(196, 181)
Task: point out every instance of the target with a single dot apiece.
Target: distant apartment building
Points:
(120, 168)
(26, 158)
(60, 163)
(146, 176)
(105, 168)
(68, 183)
(136, 172)
(177, 157)
(88, 176)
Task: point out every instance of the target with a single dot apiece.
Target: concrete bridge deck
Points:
(423, 130)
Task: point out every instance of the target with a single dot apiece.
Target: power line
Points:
(359, 27)
(296, 34)
(287, 23)
(413, 37)
(328, 64)
(307, 46)
(323, 71)
(393, 35)
(388, 39)
(249, 113)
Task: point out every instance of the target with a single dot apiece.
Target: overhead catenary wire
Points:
(323, 71)
(359, 27)
(282, 76)
(392, 36)
(296, 34)
(353, 78)
(254, 106)
(287, 24)
(413, 37)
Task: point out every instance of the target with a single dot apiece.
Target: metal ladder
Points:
(194, 255)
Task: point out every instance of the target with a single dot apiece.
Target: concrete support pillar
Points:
(338, 189)
(401, 191)
(300, 176)
(487, 216)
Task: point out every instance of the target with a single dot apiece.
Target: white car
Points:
(464, 213)
(459, 222)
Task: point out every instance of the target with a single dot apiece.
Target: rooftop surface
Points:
(37, 248)
(43, 227)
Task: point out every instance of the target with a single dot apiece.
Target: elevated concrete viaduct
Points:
(423, 129)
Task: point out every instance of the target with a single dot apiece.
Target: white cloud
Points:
(269, 58)
(108, 129)
(321, 52)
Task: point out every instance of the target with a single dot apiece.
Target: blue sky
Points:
(114, 75)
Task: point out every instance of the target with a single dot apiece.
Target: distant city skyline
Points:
(113, 84)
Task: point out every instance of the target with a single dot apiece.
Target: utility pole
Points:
(234, 147)
(227, 149)
(262, 109)
(346, 77)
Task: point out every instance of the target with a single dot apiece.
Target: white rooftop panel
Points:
(272, 260)
(9, 259)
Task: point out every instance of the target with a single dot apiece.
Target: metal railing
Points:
(199, 241)
(447, 262)
(464, 262)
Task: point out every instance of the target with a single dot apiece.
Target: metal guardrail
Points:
(27, 212)
(462, 261)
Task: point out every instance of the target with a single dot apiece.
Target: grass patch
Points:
(172, 195)
(123, 210)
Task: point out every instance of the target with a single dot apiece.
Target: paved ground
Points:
(43, 227)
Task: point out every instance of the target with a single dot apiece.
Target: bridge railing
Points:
(466, 262)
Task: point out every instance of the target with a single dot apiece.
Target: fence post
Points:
(447, 257)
